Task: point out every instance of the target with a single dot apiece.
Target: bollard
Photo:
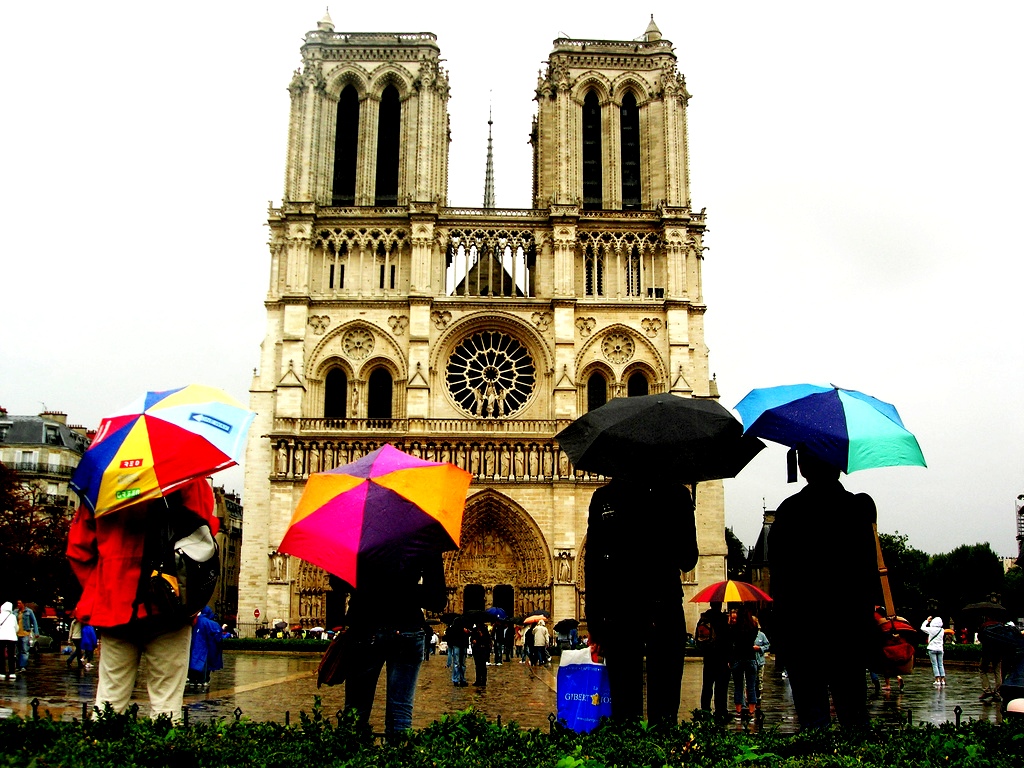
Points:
(287, 718)
(910, 717)
(499, 721)
(85, 712)
(551, 722)
(958, 710)
(238, 714)
(35, 708)
(339, 714)
(184, 716)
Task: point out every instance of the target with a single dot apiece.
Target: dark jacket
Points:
(639, 537)
(395, 598)
(823, 564)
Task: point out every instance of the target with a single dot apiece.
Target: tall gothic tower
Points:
(472, 335)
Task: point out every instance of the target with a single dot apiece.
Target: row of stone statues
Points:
(486, 460)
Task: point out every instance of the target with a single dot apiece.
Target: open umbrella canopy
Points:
(846, 428)
(687, 438)
(496, 613)
(159, 443)
(377, 512)
(535, 618)
(731, 592)
(566, 625)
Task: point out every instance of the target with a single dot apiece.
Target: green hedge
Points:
(467, 739)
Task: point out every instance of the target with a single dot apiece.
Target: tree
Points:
(906, 567)
(968, 574)
(736, 564)
(33, 540)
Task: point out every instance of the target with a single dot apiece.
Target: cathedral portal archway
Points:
(502, 554)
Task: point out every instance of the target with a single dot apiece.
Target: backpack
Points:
(180, 564)
(705, 637)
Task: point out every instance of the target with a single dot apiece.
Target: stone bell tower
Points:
(472, 335)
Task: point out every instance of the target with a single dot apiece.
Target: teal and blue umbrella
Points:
(846, 428)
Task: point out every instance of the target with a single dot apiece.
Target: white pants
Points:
(166, 671)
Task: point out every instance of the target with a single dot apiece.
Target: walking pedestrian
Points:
(932, 627)
(457, 637)
(8, 640)
(761, 648)
(498, 643)
(205, 655)
(480, 639)
(89, 643)
(75, 639)
(541, 638)
(28, 633)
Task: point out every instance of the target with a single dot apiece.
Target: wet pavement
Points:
(265, 686)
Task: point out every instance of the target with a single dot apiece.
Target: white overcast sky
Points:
(861, 165)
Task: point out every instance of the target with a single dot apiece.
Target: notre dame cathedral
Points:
(473, 335)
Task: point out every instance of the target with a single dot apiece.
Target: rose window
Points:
(358, 343)
(490, 374)
(617, 347)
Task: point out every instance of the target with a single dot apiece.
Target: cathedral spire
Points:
(489, 176)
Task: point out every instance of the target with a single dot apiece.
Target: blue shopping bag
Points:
(584, 696)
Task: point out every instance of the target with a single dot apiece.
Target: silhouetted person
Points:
(640, 535)
(824, 572)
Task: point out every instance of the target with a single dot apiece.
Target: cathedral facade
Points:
(473, 335)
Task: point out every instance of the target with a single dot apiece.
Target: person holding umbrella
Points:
(816, 531)
(641, 533)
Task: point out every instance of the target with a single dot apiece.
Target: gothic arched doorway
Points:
(502, 552)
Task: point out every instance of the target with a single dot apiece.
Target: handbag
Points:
(584, 694)
(893, 652)
(334, 664)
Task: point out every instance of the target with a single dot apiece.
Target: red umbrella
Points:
(731, 592)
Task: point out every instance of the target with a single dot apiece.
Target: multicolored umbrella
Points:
(159, 443)
(377, 511)
(846, 428)
(731, 592)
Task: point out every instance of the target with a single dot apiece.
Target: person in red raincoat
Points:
(106, 555)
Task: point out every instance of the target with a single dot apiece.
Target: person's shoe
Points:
(88, 665)
(479, 685)
(785, 674)
(498, 664)
(22, 670)
(12, 676)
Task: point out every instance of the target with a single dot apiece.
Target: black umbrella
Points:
(566, 625)
(986, 606)
(686, 438)
(450, 618)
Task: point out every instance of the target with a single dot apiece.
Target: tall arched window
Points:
(630, 141)
(637, 385)
(335, 394)
(388, 135)
(597, 391)
(379, 394)
(592, 187)
(346, 146)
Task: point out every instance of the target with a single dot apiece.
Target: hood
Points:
(6, 607)
(207, 611)
(936, 622)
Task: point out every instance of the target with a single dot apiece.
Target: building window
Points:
(637, 385)
(592, 183)
(52, 435)
(346, 148)
(633, 267)
(630, 141)
(379, 394)
(388, 145)
(335, 394)
(597, 391)
(593, 265)
(490, 374)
